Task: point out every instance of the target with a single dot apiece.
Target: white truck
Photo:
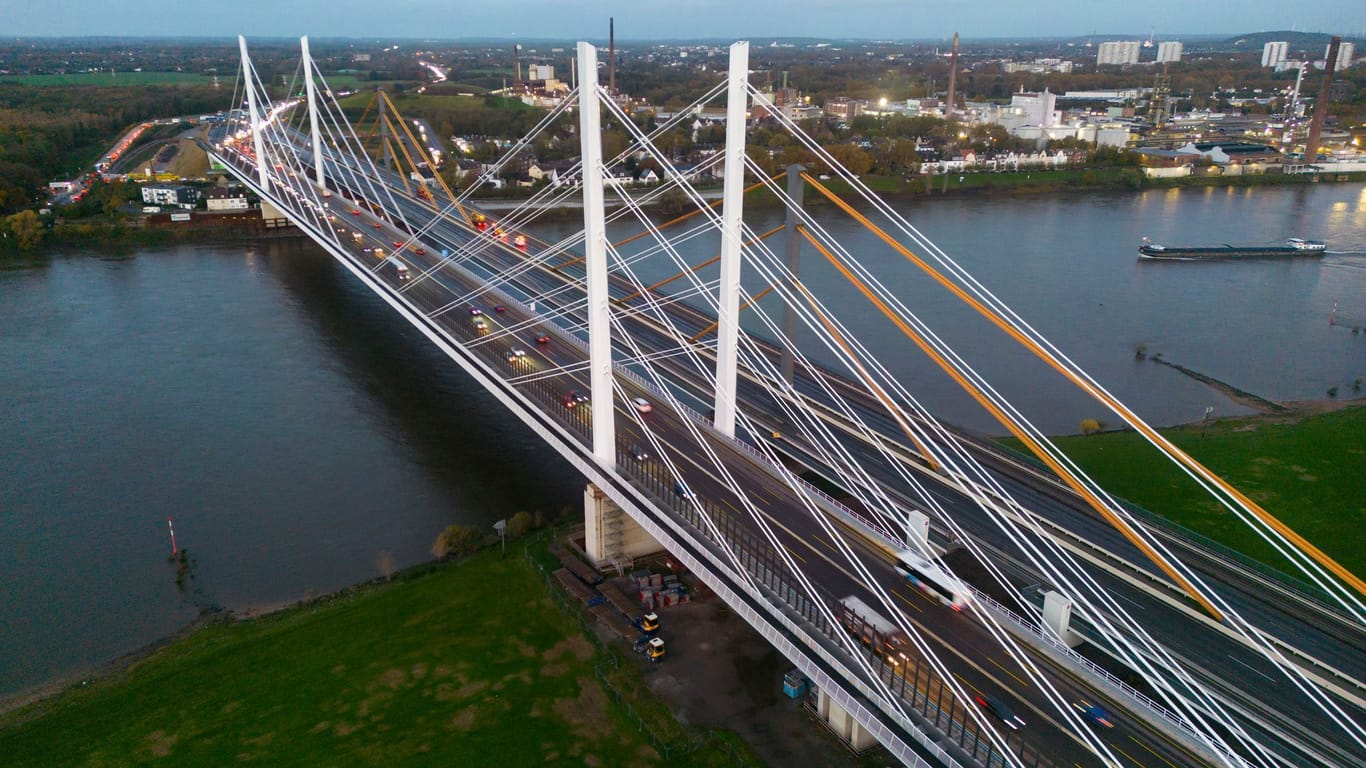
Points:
(395, 268)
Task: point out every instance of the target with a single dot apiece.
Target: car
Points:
(421, 251)
(543, 339)
(480, 327)
(1000, 710)
(1096, 715)
(515, 354)
(581, 397)
(681, 490)
(368, 249)
(355, 211)
(642, 405)
(398, 243)
(476, 311)
(638, 453)
(520, 242)
(500, 308)
(326, 193)
(377, 225)
(568, 401)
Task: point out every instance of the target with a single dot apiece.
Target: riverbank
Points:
(469, 663)
(1302, 463)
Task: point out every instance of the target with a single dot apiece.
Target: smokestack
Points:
(611, 56)
(1311, 145)
(953, 76)
(516, 63)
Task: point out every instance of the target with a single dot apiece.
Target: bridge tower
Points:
(313, 113)
(611, 536)
(793, 254)
(732, 210)
(595, 254)
(254, 115)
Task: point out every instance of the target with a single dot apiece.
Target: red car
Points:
(543, 339)
(355, 211)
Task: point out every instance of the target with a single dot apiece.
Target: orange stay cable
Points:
(1029, 442)
(1157, 439)
(670, 222)
(693, 339)
(706, 263)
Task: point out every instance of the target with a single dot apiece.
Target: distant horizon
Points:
(700, 20)
(964, 39)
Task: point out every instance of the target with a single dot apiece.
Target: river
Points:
(297, 430)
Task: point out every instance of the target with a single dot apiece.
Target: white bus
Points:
(932, 580)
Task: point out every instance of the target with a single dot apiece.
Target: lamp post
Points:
(501, 528)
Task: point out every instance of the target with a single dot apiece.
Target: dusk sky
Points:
(666, 19)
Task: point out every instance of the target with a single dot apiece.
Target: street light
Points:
(501, 527)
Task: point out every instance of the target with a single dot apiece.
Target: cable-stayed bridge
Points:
(932, 586)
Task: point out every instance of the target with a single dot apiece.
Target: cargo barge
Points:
(1293, 247)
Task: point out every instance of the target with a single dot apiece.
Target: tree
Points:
(458, 540)
(519, 525)
(27, 229)
(1089, 426)
(853, 158)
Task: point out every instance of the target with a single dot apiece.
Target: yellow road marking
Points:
(1022, 683)
(794, 554)
(1126, 754)
(1150, 750)
(908, 603)
(964, 681)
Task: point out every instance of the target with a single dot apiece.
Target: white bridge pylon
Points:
(602, 304)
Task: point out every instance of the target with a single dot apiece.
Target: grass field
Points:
(1310, 473)
(116, 78)
(472, 664)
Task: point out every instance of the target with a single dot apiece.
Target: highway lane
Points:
(532, 291)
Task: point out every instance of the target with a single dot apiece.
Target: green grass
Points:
(471, 664)
(117, 78)
(1308, 473)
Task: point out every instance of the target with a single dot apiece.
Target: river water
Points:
(299, 432)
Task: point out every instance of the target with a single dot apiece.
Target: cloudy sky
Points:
(666, 19)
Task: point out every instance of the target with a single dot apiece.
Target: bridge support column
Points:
(732, 211)
(842, 723)
(1057, 616)
(795, 186)
(254, 115)
(270, 213)
(595, 261)
(610, 535)
(313, 112)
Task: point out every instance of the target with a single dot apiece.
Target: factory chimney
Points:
(1311, 144)
(953, 77)
(611, 56)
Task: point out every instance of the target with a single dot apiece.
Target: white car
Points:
(642, 405)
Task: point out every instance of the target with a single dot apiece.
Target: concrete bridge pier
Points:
(272, 215)
(611, 537)
(842, 723)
